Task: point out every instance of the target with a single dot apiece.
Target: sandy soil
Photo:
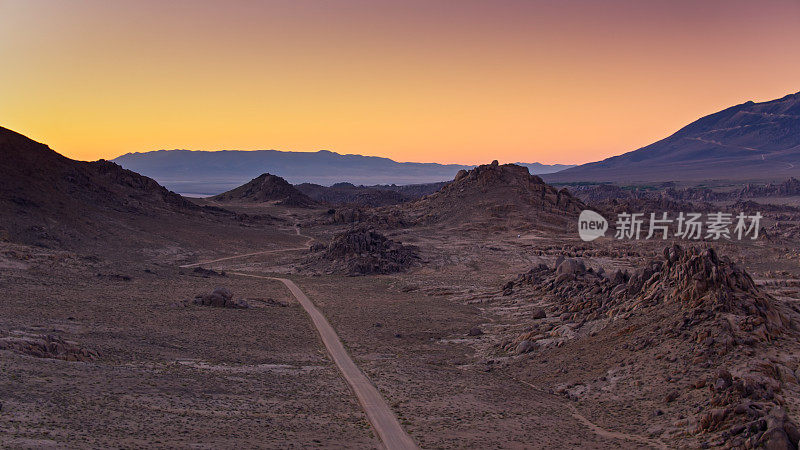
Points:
(171, 375)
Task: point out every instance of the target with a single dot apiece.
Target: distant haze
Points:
(414, 80)
(208, 173)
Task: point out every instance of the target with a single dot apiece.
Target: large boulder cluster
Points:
(745, 412)
(790, 186)
(220, 298)
(364, 251)
(350, 194)
(698, 307)
(496, 191)
(703, 280)
(47, 346)
(705, 285)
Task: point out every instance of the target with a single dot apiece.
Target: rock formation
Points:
(698, 280)
(700, 311)
(220, 298)
(495, 192)
(47, 346)
(267, 188)
(363, 251)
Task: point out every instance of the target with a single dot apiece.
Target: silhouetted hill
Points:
(49, 200)
(209, 173)
(267, 188)
(496, 195)
(751, 141)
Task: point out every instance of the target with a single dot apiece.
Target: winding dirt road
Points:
(308, 242)
(378, 412)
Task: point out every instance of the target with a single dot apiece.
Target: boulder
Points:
(475, 331)
(538, 313)
(220, 297)
(526, 346)
(363, 251)
(776, 439)
(572, 267)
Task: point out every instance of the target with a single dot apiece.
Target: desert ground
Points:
(167, 374)
(476, 333)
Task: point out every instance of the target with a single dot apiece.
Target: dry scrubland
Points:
(476, 311)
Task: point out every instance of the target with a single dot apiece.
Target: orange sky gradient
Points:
(466, 82)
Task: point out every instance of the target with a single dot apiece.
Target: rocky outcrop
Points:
(700, 279)
(363, 251)
(743, 410)
(495, 191)
(709, 288)
(267, 188)
(692, 318)
(47, 346)
(220, 298)
(600, 194)
(789, 187)
(353, 215)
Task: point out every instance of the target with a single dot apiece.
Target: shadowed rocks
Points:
(363, 251)
(220, 298)
(696, 309)
(494, 191)
(704, 284)
(267, 188)
(47, 346)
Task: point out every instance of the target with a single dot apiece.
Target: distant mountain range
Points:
(213, 172)
(751, 141)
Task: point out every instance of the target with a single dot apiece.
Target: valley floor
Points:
(169, 373)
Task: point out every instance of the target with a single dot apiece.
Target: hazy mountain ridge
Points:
(212, 172)
(749, 141)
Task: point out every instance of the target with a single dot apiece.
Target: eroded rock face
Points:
(493, 191)
(706, 286)
(701, 279)
(363, 251)
(690, 311)
(47, 346)
(220, 298)
(745, 411)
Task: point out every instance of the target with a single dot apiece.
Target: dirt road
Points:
(305, 245)
(378, 412)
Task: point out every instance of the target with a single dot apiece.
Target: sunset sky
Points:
(446, 81)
